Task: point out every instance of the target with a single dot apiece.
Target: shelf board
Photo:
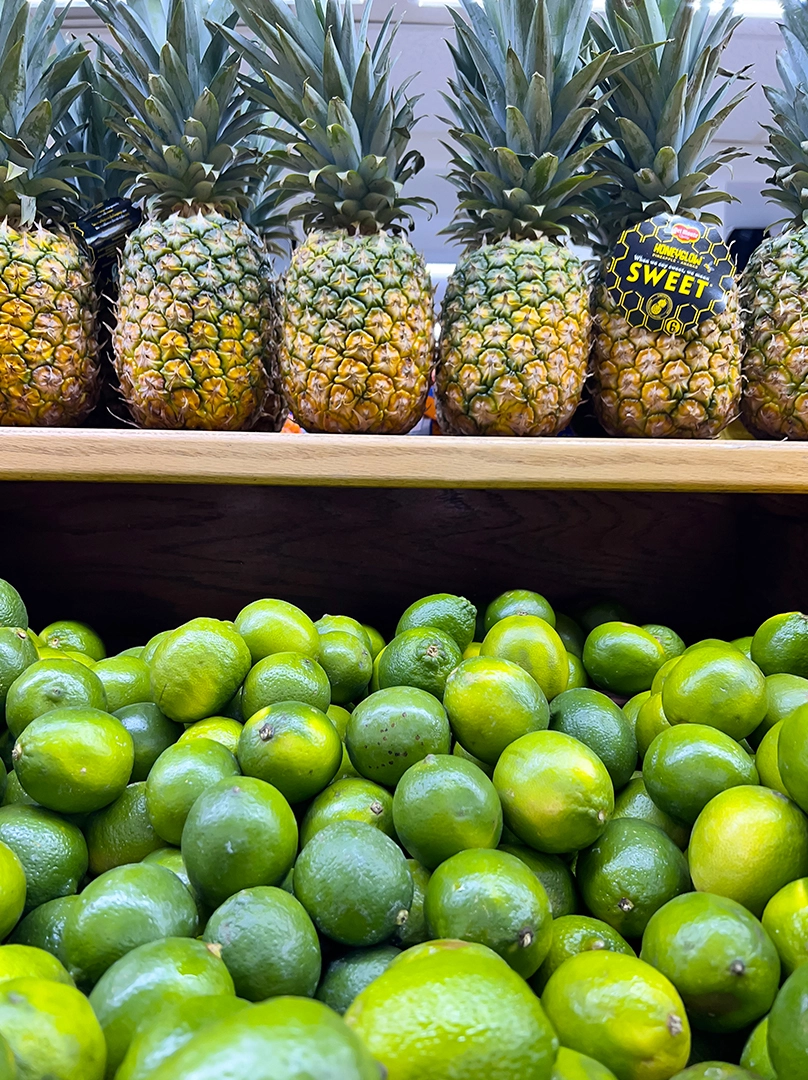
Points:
(377, 461)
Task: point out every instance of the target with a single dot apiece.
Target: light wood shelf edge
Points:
(378, 461)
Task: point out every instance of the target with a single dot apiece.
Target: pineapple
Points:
(516, 324)
(662, 114)
(357, 311)
(193, 340)
(775, 283)
(48, 368)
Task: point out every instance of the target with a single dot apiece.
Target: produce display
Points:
(504, 843)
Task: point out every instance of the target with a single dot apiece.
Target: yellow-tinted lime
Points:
(285, 677)
(12, 891)
(349, 800)
(52, 851)
(197, 669)
(292, 746)
(570, 1065)
(651, 721)
(784, 694)
(717, 687)
(455, 615)
(51, 684)
(747, 844)
(755, 1056)
(343, 624)
(573, 934)
(12, 608)
(577, 676)
(422, 657)
(17, 653)
(518, 602)
(622, 658)
(662, 674)
(766, 760)
(125, 680)
(472, 650)
(571, 634)
(635, 802)
(28, 962)
(533, 644)
(377, 642)
(220, 729)
(346, 661)
(178, 777)
(670, 641)
(270, 626)
(781, 644)
(744, 644)
(151, 646)
(792, 755)
(122, 832)
(785, 918)
(151, 732)
(632, 707)
(76, 636)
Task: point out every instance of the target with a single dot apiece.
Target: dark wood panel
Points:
(135, 559)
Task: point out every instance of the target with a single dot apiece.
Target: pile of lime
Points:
(506, 844)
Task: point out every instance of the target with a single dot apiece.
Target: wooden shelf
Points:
(377, 461)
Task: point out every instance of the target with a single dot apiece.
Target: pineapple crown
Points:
(523, 102)
(664, 110)
(92, 136)
(177, 105)
(317, 71)
(787, 146)
(38, 85)
(266, 214)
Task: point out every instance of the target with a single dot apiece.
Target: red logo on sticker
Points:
(686, 233)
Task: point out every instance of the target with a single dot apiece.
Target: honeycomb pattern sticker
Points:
(670, 273)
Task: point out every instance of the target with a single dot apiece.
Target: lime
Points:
(632, 707)
(52, 851)
(596, 721)
(715, 1070)
(570, 633)
(781, 644)
(51, 1030)
(454, 615)
(76, 636)
(452, 1009)
(170, 858)
(270, 626)
(347, 663)
(718, 957)
(12, 608)
(122, 832)
(347, 977)
(472, 650)
(767, 760)
(74, 759)
(784, 694)
(349, 800)
(293, 746)
(51, 684)
(629, 873)
(343, 624)
(373, 686)
(17, 654)
(414, 931)
(354, 882)
(553, 874)
(422, 657)
(577, 673)
(29, 962)
(240, 833)
(125, 680)
(785, 918)
(533, 644)
(755, 1056)
(339, 717)
(151, 732)
(622, 658)
(670, 641)
(744, 644)
(393, 729)
(635, 802)
(376, 640)
(286, 677)
(197, 669)
(556, 793)
(15, 794)
(464, 755)
(717, 687)
(648, 1035)
(792, 755)
(689, 765)
(135, 650)
(12, 890)
(519, 602)
(491, 703)
(443, 805)
(747, 844)
(788, 1027)
(711, 643)
(573, 934)
(651, 721)
(268, 943)
(44, 926)
(492, 898)
(570, 1065)
(662, 674)
(151, 646)
(220, 729)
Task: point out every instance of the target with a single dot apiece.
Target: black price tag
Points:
(670, 274)
(106, 227)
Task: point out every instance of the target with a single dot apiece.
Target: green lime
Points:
(573, 934)
(346, 770)
(240, 833)
(355, 883)
(151, 732)
(44, 926)
(17, 654)
(75, 636)
(454, 615)
(578, 677)
(602, 611)
(52, 851)
(630, 873)
(792, 755)
(197, 669)
(784, 694)
(171, 859)
(747, 844)
(767, 760)
(570, 633)
(376, 640)
(122, 832)
(755, 1056)
(343, 624)
(662, 674)
(414, 930)
(596, 721)
(286, 677)
(534, 645)
(347, 977)
(74, 760)
(51, 684)
(271, 626)
(717, 687)
(622, 658)
(393, 729)
(785, 919)
(670, 641)
(268, 943)
(631, 709)
(151, 646)
(651, 721)
(454, 1009)
(648, 1035)
(121, 910)
(464, 755)
(12, 891)
(715, 1070)
(492, 898)
(135, 650)
(781, 644)
(293, 746)
(339, 717)
(125, 680)
(29, 962)
(51, 1030)
(788, 1027)
(347, 663)
(220, 729)
(711, 643)
(689, 765)
(491, 703)
(635, 802)
(444, 805)
(570, 1065)
(422, 657)
(556, 793)
(519, 602)
(349, 800)
(12, 608)
(744, 644)
(553, 874)
(15, 793)
(718, 957)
